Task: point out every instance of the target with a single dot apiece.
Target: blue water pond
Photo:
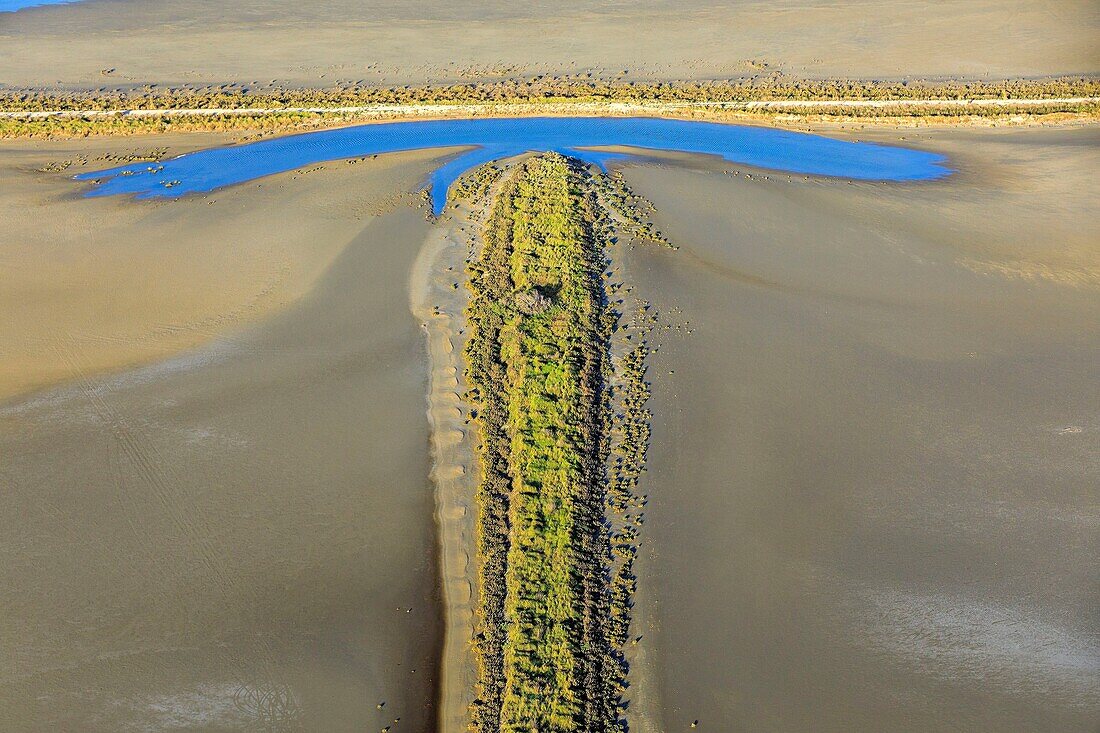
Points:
(492, 139)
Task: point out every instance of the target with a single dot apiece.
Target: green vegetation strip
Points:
(539, 365)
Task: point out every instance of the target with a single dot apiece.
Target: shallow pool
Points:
(492, 139)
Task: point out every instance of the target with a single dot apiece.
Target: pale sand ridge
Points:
(440, 307)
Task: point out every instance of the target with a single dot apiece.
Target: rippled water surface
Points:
(492, 139)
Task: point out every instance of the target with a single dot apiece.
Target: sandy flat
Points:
(120, 284)
(380, 42)
(872, 461)
(238, 536)
(874, 436)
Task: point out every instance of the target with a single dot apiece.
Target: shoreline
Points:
(440, 310)
(580, 367)
(84, 273)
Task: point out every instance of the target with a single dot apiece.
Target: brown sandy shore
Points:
(846, 450)
(121, 284)
(120, 42)
(440, 307)
(238, 536)
(875, 442)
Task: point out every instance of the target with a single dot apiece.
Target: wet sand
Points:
(122, 42)
(870, 479)
(239, 537)
(873, 470)
(124, 285)
(440, 308)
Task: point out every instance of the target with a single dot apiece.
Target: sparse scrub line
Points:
(30, 113)
(68, 125)
(626, 211)
(625, 505)
(153, 155)
(476, 185)
(555, 585)
(543, 88)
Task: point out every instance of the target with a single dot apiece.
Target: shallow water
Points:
(493, 139)
(10, 6)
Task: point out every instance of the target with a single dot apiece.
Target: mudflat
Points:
(108, 43)
(239, 536)
(121, 284)
(873, 466)
(869, 483)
